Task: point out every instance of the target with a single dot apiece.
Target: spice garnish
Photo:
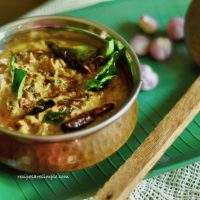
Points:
(86, 118)
(54, 117)
(18, 77)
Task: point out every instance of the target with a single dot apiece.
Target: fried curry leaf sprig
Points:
(112, 52)
(17, 76)
(108, 71)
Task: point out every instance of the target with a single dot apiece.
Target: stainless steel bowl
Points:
(68, 152)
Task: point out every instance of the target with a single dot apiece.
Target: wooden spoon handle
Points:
(150, 151)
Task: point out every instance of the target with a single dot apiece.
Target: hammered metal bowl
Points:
(76, 150)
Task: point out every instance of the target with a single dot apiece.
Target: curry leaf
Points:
(118, 45)
(18, 77)
(110, 47)
(108, 71)
(54, 117)
(12, 65)
(83, 52)
(18, 81)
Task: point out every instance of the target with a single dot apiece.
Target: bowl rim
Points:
(104, 123)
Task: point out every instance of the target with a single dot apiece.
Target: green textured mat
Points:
(176, 76)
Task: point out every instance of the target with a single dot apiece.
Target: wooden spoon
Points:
(150, 151)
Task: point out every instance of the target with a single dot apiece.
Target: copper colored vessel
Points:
(82, 148)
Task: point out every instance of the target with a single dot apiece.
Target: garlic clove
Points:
(140, 44)
(150, 79)
(161, 48)
(148, 24)
(175, 28)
